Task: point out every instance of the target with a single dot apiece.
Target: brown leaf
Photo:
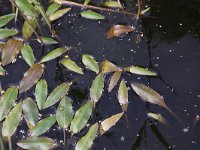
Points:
(107, 67)
(114, 79)
(118, 30)
(10, 50)
(31, 77)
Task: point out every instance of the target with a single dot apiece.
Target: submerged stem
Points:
(64, 133)
(1, 143)
(10, 143)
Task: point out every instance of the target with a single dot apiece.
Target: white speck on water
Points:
(180, 24)
(186, 129)
(198, 95)
(122, 138)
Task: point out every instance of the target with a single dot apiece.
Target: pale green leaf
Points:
(113, 4)
(92, 15)
(29, 27)
(90, 63)
(2, 71)
(5, 33)
(86, 2)
(58, 14)
(26, 8)
(6, 19)
(28, 55)
(114, 79)
(123, 95)
(107, 67)
(52, 8)
(140, 71)
(47, 40)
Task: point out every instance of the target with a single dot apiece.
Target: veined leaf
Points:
(41, 91)
(28, 28)
(26, 8)
(5, 33)
(90, 63)
(47, 40)
(109, 122)
(43, 126)
(31, 77)
(6, 19)
(140, 71)
(87, 140)
(28, 55)
(11, 50)
(114, 79)
(12, 121)
(7, 101)
(54, 54)
(37, 143)
(113, 4)
(57, 94)
(30, 111)
(58, 14)
(118, 30)
(71, 65)
(159, 118)
(96, 88)
(52, 8)
(81, 117)
(107, 67)
(92, 15)
(64, 112)
(123, 95)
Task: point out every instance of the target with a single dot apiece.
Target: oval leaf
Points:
(2, 71)
(159, 118)
(71, 65)
(31, 77)
(140, 71)
(41, 91)
(112, 4)
(6, 19)
(114, 79)
(123, 95)
(107, 67)
(29, 27)
(26, 8)
(47, 40)
(87, 140)
(56, 95)
(12, 121)
(30, 111)
(90, 63)
(52, 8)
(58, 14)
(43, 126)
(96, 88)
(28, 55)
(92, 15)
(86, 2)
(64, 112)
(81, 117)
(5, 33)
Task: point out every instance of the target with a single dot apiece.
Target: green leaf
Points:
(41, 91)
(113, 4)
(58, 14)
(140, 71)
(30, 111)
(86, 2)
(92, 15)
(52, 8)
(90, 63)
(81, 117)
(56, 95)
(5, 33)
(64, 112)
(12, 121)
(28, 55)
(123, 95)
(37, 143)
(87, 140)
(107, 67)
(6, 19)
(43, 126)
(2, 71)
(28, 28)
(114, 79)
(7, 101)
(96, 88)
(54, 54)
(71, 65)
(26, 8)
(48, 41)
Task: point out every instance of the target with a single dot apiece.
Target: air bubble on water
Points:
(198, 95)
(122, 138)
(186, 130)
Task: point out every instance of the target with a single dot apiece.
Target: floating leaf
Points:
(41, 91)
(159, 118)
(118, 30)
(29, 27)
(10, 50)
(86, 2)
(114, 79)
(52, 8)
(6, 19)
(5, 33)
(145, 11)
(37, 143)
(12, 121)
(87, 140)
(96, 88)
(47, 40)
(92, 15)
(7, 101)
(26, 8)
(113, 4)
(43, 126)
(2, 71)
(64, 113)
(56, 95)
(81, 117)
(123, 95)
(30, 111)
(107, 67)
(31, 77)
(1, 46)
(28, 55)
(109, 122)
(90, 63)
(58, 14)
(71, 65)
(54, 54)
(140, 71)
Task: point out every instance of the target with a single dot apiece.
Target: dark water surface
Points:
(170, 45)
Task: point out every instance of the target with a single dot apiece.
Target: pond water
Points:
(169, 44)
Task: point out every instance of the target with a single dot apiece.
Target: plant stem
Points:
(64, 133)
(139, 8)
(1, 143)
(10, 143)
(93, 7)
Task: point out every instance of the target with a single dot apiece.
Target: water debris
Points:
(196, 120)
